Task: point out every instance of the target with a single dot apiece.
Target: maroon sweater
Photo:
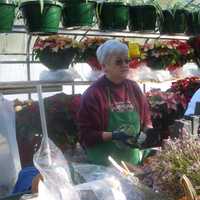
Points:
(93, 113)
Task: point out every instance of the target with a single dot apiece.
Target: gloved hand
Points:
(128, 140)
(153, 138)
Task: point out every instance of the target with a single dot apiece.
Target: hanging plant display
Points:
(55, 52)
(170, 54)
(87, 53)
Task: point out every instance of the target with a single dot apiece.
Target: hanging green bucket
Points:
(112, 16)
(167, 22)
(180, 21)
(7, 15)
(142, 18)
(46, 21)
(193, 22)
(57, 60)
(78, 14)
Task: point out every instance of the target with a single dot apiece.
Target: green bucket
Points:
(112, 16)
(46, 21)
(193, 22)
(142, 18)
(57, 60)
(7, 15)
(180, 21)
(167, 22)
(78, 14)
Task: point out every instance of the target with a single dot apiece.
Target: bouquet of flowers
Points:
(165, 107)
(177, 157)
(55, 52)
(169, 54)
(88, 51)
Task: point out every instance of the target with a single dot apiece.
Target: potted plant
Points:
(55, 52)
(177, 157)
(193, 19)
(41, 16)
(87, 51)
(174, 18)
(143, 15)
(112, 15)
(7, 15)
(78, 13)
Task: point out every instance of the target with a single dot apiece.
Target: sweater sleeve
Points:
(92, 119)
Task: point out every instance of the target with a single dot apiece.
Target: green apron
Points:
(117, 120)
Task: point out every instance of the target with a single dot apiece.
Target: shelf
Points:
(108, 33)
(30, 86)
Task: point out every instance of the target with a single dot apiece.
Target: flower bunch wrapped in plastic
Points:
(178, 157)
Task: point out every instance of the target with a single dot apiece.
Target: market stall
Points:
(163, 51)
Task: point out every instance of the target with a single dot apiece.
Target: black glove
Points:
(128, 140)
(153, 138)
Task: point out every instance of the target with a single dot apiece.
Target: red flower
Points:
(135, 63)
(94, 64)
(183, 48)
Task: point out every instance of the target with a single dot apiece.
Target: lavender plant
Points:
(178, 157)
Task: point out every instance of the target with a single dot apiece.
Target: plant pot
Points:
(7, 15)
(180, 21)
(193, 22)
(57, 60)
(167, 22)
(46, 21)
(78, 14)
(112, 16)
(142, 18)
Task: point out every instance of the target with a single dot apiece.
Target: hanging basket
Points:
(57, 60)
(112, 16)
(46, 21)
(94, 64)
(7, 15)
(142, 18)
(78, 14)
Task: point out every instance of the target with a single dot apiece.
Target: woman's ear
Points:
(104, 68)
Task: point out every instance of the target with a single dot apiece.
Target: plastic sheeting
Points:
(9, 155)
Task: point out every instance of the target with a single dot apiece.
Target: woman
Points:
(113, 110)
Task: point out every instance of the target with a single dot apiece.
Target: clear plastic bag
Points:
(9, 154)
(57, 183)
(96, 176)
(93, 182)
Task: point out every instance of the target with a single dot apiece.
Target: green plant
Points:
(154, 3)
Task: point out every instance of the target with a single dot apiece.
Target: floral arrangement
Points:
(55, 43)
(165, 107)
(169, 54)
(177, 157)
(88, 51)
(186, 87)
(55, 52)
(61, 113)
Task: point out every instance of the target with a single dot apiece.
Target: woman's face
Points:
(116, 67)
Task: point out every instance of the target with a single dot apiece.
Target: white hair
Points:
(108, 48)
